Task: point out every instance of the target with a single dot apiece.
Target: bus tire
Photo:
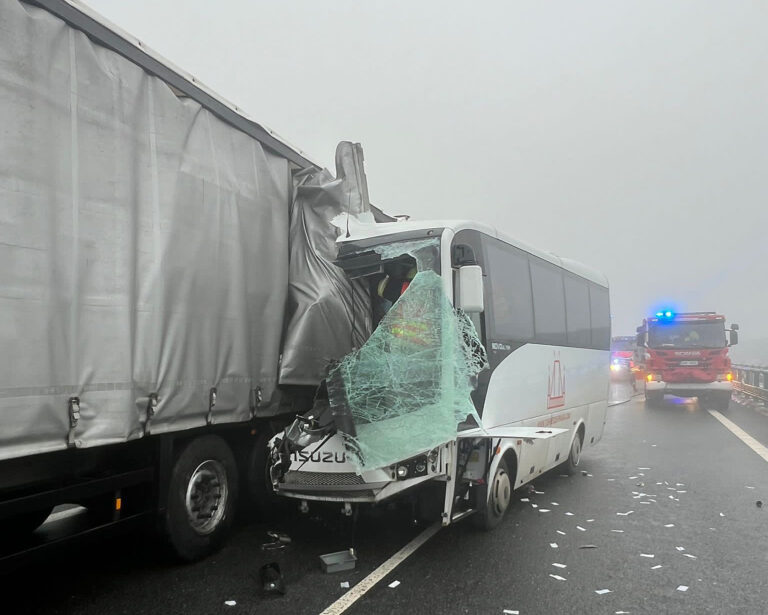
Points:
(202, 495)
(574, 455)
(259, 499)
(721, 401)
(499, 497)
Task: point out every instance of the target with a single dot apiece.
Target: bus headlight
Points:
(402, 472)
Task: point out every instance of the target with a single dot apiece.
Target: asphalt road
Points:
(690, 484)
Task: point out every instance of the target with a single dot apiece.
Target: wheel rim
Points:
(576, 451)
(206, 499)
(501, 492)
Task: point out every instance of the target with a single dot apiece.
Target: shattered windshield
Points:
(406, 389)
(687, 335)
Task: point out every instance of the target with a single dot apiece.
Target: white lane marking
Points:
(359, 590)
(741, 435)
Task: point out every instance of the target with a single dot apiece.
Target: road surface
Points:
(666, 519)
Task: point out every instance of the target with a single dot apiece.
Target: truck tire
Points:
(499, 496)
(202, 495)
(653, 399)
(721, 402)
(259, 499)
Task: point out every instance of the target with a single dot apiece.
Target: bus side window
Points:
(600, 317)
(548, 303)
(577, 312)
(511, 302)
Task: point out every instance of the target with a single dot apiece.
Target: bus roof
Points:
(358, 231)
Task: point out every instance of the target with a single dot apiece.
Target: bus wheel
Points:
(721, 401)
(499, 497)
(574, 456)
(202, 496)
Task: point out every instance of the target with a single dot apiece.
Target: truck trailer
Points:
(167, 296)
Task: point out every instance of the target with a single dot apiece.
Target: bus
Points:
(488, 366)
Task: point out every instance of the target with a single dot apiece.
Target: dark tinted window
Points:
(511, 306)
(548, 302)
(601, 317)
(577, 312)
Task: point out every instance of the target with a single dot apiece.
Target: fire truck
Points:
(686, 355)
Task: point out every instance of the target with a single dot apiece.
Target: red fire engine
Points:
(687, 355)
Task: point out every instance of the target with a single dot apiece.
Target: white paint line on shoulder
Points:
(741, 435)
(359, 590)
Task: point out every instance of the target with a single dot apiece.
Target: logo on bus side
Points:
(556, 384)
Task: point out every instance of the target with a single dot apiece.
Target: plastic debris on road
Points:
(344, 584)
(680, 548)
(647, 555)
(556, 565)
(230, 602)
(557, 577)
(587, 546)
(581, 529)
(394, 584)
(682, 588)
(553, 545)
(561, 532)
(618, 531)
(602, 591)
(689, 555)
(670, 525)
(624, 514)
(656, 567)
(524, 500)
(543, 509)
(569, 514)
(511, 612)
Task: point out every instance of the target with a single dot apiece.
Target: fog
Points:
(631, 136)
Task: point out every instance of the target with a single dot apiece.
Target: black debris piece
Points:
(271, 579)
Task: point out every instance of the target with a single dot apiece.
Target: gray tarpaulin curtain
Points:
(328, 315)
(143, 247)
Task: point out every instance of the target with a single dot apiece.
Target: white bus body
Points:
(546, 330)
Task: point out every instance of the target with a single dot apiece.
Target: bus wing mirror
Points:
(734, 327)
(470, 292)
(734, 337)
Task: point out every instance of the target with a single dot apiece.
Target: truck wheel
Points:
(499, 496)
(653, 399)
(722, 402)
(202, 496)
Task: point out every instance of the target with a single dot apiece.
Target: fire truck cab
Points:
(686, 355)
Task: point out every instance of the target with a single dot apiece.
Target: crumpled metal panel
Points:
(143, 248)
(328, 315)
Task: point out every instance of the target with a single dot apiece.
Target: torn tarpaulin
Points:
(406, 389)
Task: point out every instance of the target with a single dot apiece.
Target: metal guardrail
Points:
(752, 380)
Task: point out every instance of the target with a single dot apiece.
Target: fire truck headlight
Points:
(615, 367)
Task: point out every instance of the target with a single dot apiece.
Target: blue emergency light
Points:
(665, 314)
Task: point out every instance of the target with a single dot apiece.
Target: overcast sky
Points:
(632, 136)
